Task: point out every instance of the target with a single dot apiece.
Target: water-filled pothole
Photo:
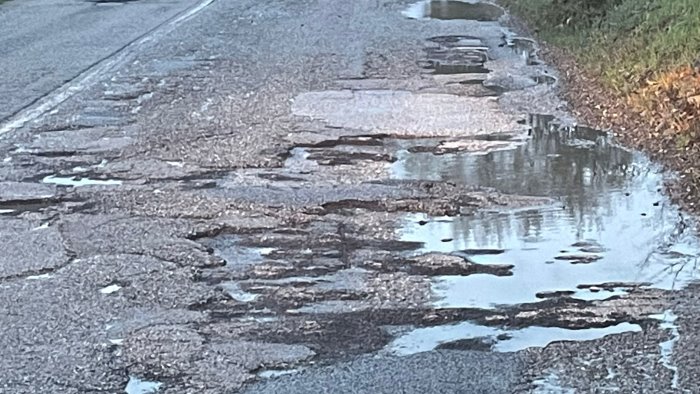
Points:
(77, 181)
(449, 9)
(138, 386)
(612, 229)
(236, 255)
(525, 48)
(456, 55)
(496, 339)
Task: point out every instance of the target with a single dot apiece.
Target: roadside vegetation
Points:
(640, 62)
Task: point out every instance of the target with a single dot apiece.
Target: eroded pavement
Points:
(366, 196)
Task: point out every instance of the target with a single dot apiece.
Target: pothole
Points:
(496, 339)
(456, 55)
(611, 231)
(236, 255)
(138, 386)
(448, 10)
(78, 181)
(275, 373)
(525, 48)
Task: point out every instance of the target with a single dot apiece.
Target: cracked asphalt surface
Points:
(234, 203)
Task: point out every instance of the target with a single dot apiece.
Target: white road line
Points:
(39, 109)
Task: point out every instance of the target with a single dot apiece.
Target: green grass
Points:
(623, 41)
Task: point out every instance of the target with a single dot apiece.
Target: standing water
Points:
(609, 230)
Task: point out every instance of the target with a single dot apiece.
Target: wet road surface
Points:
(368, 197)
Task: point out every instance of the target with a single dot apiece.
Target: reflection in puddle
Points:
(612, 225)
(500, 340)
(668, 322)
(138, 386)
(525, 48)
(448, 9)
(532, 241)
(78, 181)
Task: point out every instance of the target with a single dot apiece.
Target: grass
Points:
(625, 42)
(646, 52)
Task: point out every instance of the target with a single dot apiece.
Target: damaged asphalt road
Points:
(357, 197)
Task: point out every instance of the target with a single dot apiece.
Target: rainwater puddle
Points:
(525, 48)
(611, 229)
(234, 291)
(39, 277)
(110, 289)
(79, 181)
(456, 55)
(668, 322)
(499, 340)
(444, 9)
(138, 386)
(275, 373)
(228, 248)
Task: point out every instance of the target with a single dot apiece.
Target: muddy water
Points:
(609, 229)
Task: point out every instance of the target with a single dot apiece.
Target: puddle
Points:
(611, 229)
(497, 339)
(234, 291)
(110, 289)
(228, 248)
(39, 277)
(525, 48)
(668, 322)
(17, 208)
(80, 181)
(447, 10)
(138, 386)
(274, 373)
(545, 79)
(456, 55)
